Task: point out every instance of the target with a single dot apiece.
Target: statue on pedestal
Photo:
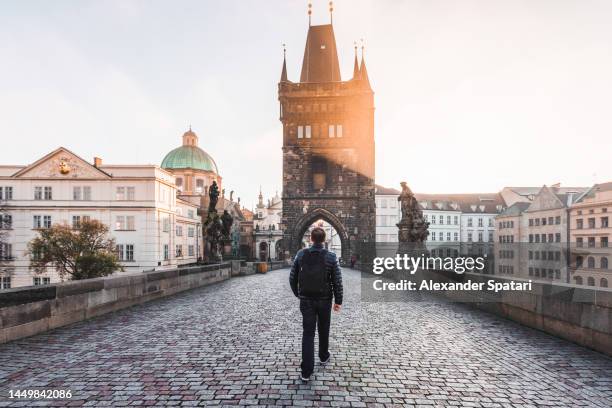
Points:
(216, 228)
(413, 229)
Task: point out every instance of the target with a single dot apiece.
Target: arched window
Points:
(199, 186)
(591, 281)
(591, 262)
(603, 283)
(604, 263)
(579, 261)
(578, 280)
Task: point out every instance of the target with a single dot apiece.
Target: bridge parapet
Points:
(31, 310)
(580, 314)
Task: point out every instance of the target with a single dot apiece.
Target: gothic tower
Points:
(328, 148)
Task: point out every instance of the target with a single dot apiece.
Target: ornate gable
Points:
(61, 164)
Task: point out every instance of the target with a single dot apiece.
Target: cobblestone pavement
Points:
(237, 343)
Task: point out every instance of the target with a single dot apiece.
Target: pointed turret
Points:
(363, 72)
(260, 203)
(356, 65)
(284, 71)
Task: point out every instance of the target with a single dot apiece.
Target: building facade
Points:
(267, 228)
(590, 234)
(152, 228)
(388, 214)
(328, 148)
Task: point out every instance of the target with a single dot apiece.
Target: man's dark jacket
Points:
(333, 269)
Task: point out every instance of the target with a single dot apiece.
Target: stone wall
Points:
(31, 310)
(579, 314)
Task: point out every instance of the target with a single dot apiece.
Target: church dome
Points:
(189, 156)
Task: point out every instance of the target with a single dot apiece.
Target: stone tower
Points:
(328, 148)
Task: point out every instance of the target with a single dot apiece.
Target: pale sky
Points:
(471, 96)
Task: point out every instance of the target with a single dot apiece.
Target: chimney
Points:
(97, 162)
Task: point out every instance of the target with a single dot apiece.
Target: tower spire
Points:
(363, 71)
(331, 12)
(309, 14)
(284, 71)
(356, 65)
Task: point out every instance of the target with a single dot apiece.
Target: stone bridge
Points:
(237, 343)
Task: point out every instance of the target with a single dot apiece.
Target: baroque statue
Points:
(217, 228)
(413, 229)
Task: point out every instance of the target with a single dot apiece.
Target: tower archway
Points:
(311, 217)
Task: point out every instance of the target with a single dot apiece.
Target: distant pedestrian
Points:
(353, 261)
(317, 280)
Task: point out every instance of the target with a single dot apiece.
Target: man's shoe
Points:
(327, 360)
(304, 378)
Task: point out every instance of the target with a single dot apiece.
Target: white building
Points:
(267, 228)
(388, 214)
(152, 228)
(453, 218)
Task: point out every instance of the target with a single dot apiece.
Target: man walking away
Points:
(316, 279)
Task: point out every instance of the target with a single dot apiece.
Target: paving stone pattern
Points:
(238, 343)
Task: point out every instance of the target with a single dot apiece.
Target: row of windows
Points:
(306, 131)
(591, 264)
(506, 269)
(432, 236)
(545, 255)
(592, 211)
(603, 282)
(79, 193)
(536, 222)
(386, 203)
(603, 242)
(545, 273)
(178, 251)
(506, 239)
(480, 236)
(537, 238)
(440, 219)
(603, 223)
(316, 107)
(122, 223)
(480, 222)
(506, 224)
(125, 252)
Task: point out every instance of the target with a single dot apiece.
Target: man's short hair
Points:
(317, 235)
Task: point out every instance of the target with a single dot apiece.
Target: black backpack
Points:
(313, 278)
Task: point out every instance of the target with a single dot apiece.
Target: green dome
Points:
(189, 157)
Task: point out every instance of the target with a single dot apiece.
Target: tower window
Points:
(300, 132)
(319, 173)
(308, 132)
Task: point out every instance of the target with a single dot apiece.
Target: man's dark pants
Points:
(316, 313)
